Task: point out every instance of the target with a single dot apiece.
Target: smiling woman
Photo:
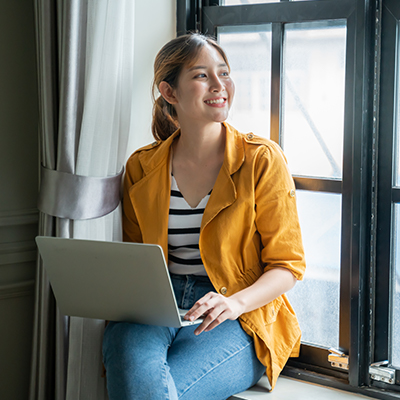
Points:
(222, 206)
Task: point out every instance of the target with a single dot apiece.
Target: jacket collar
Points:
(224, 192)
(150, 160)
(234, 149)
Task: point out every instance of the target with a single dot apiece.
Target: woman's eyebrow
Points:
(204, 67)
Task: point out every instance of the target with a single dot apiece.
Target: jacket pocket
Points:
(271, 310)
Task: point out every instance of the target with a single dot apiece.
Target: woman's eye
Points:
(200, 76)
(225, 73)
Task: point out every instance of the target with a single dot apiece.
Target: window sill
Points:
(289, 389)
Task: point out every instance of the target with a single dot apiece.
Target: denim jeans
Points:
(154, 362)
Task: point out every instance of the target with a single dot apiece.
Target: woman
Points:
(240, 252)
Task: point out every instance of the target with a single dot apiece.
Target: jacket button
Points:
(250, 136)
(292, 193)
(223, 290)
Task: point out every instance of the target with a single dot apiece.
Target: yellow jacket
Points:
(250, 225)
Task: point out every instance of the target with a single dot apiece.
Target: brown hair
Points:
(170, 60)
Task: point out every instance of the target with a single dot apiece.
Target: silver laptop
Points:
(114, 281)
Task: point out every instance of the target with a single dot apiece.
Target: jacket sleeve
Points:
(276, 213)
(131, 230)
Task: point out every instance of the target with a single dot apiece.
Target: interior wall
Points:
(18, 182)
(154, 25)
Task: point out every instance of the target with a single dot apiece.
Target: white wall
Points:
(155, 25)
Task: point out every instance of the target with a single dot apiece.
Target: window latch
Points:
(338, 359)
(380, 371)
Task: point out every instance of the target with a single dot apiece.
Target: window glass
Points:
(395, 292)
(249, 53)
(313, 97)
(395, 311)
(396, 117)
(316, 298)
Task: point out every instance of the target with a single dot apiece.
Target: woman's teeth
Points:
(218, 101)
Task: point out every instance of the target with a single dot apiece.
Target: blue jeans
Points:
(155, 362)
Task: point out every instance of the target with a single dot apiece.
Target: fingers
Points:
(210, 322)
(201, 307)
(216, 309)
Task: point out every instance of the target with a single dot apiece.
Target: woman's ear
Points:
(167, 92)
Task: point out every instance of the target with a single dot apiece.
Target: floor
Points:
(291, 389)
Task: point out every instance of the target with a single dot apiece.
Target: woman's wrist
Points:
(267, 288)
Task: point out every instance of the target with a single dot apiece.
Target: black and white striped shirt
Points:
(183, 234)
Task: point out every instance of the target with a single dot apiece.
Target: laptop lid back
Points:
(110, 280)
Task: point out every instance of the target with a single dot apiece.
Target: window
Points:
(252, 80)
(322, 79)
(387, 271)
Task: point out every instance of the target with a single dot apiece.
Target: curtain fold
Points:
(85, 67)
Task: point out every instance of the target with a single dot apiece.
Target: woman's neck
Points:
(199, 143)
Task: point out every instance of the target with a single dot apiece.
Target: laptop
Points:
(114, 281)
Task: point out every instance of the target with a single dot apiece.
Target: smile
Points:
(216, 101)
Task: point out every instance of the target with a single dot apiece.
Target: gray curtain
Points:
(60, 38)
(85, 65)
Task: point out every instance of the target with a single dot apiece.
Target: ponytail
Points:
(165, 121)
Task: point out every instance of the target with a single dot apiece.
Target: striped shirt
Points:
(183, 234)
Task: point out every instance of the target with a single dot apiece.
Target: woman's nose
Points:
(216, 85)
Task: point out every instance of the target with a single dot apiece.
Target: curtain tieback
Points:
(72, 196)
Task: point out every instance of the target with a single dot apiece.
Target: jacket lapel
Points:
(224, 192)
(151, 195)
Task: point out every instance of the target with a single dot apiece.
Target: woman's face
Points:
(205, 90)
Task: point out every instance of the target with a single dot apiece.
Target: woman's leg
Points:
(135, 360)
(215, 364)
(149, 362)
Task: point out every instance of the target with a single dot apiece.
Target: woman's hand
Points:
(215, 308)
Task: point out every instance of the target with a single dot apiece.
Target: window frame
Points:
(387, 193)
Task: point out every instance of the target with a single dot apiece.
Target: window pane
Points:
(395, 311)
(397, 118)
(316, 298)
(236, 2)
(249, 52)
(313, 97)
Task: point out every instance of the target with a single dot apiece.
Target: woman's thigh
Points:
(135, 357)
(214, 364)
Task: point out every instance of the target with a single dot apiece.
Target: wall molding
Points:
(21, 289)
(17, 252)
(20, 217)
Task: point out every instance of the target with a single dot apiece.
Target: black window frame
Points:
(361, 187)
(387, 193)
